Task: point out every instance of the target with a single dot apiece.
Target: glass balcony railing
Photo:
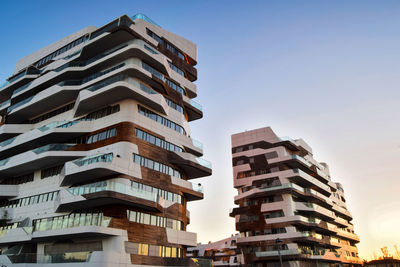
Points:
(20, 89)
(311, 234)
(198, 188)
(7, 142)
(302, 160)
(91, 60)
(4, 84)
(16, 105)
(310, 219)
(5, 103)
(4, 161)
(196, 105)
(94, 159)
(286, 138)
(197, 144)
(51, 125)
(124, 78)
(71, 220)
(115, 187)
(67, 257)
(275, 252)
(53, 147)
(204, 163)
(28, 71)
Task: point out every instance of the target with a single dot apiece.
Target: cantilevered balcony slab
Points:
(8, 88)
(348, 236)
(55, 132)
(123, 89)
(38, 158)
(294, 161)
(192, 191)
(342, 212)
(194, 167)
(194, 109)
(80, 231)
(115, 191)
(315, 209)
(8, 191)
(85, 171)
(8, 131)
(53, 97)
(192, 146)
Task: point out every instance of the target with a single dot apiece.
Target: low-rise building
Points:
(223, 253)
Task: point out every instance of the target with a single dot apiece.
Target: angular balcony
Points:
(8, 191)
(275, 253)
(54, 132)
(115, 191)
(315, 209)
(82, 224)
(192, 191)
(118, 88)
(348, 235)
(16, 235)
(342, 212)
(19, 80)
(193, 146)
(194, 109)
(193, 167)
(34, 259)
(313, 223)
(181, 237)
(38, 158)
(92, 167)
(8, 131)
(293, 161)
(342, 223)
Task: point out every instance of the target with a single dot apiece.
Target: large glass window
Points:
(176, 87)
(176, 69)
(170, 124)
(159, 167)
(144, 218)
(157, 141)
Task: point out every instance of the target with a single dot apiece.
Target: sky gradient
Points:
(324, 71)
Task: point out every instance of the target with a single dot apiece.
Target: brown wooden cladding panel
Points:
(159, 261)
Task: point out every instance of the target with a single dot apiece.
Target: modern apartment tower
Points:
(288, 205)
(96, 154)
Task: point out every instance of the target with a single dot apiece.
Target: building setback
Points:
(287, 202)
(96, 154)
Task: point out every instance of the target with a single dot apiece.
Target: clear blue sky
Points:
(325, 71)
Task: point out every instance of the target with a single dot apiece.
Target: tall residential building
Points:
(96, 154)
(288, 204)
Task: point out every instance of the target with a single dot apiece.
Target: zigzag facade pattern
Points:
(96, 154)
(288, 204)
